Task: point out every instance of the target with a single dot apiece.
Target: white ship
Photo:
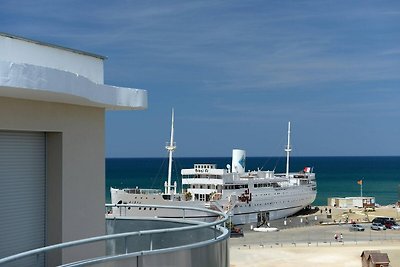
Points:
(248, 196)
(169, 197)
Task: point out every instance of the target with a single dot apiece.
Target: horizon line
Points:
(327, 156)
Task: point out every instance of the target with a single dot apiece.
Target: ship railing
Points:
(122, 210)
(143, 191)
(221, 233)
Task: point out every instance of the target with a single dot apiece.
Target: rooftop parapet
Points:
(22, 50)
(39, 71)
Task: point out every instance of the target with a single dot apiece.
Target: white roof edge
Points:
(77, 51)
(34, 82)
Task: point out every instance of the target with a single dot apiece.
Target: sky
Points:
(237, 71)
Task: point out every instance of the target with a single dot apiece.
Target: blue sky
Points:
(237, 71)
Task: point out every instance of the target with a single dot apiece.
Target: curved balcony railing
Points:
(217, 227)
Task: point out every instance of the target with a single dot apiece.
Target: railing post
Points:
(37, 259)
(151, 242)
(184, 213)
(126, 244)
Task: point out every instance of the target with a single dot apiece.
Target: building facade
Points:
(52, 167)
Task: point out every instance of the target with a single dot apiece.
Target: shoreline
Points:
(359, 214)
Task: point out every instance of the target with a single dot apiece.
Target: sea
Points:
(336, 176)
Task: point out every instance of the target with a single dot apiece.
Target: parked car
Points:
(236, 232)
(378, 226)
(395, 226)
(356, 227)
(382, 220)
(392, 225)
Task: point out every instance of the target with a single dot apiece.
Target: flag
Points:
(307, 169)
(359, 182)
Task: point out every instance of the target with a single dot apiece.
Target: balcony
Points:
(133, 241)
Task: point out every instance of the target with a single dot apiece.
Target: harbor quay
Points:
(310, 239)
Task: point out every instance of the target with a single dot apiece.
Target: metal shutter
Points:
(22, 193)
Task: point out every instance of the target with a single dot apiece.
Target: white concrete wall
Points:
(76, 174)
(20, 51)
(26, 81)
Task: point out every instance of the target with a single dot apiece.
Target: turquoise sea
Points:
(336, 176)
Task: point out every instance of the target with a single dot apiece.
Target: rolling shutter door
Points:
(22, 193)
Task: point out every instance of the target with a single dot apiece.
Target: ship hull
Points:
(120, 196)
(264, 205)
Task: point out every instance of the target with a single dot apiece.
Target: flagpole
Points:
(361, 186)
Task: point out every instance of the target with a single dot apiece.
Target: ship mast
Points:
(171, 148)
(288, 149)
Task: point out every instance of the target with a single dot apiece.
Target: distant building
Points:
(52, 167)
(374, 258)
(352, 202)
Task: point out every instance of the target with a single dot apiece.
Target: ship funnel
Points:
(238, 160)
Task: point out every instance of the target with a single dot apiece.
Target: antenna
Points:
(171, 148)
(288, 149)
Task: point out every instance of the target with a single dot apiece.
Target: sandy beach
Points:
(356, 214)
(277, 249)
(328, 256)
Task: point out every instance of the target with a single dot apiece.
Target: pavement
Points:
(309, 239)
